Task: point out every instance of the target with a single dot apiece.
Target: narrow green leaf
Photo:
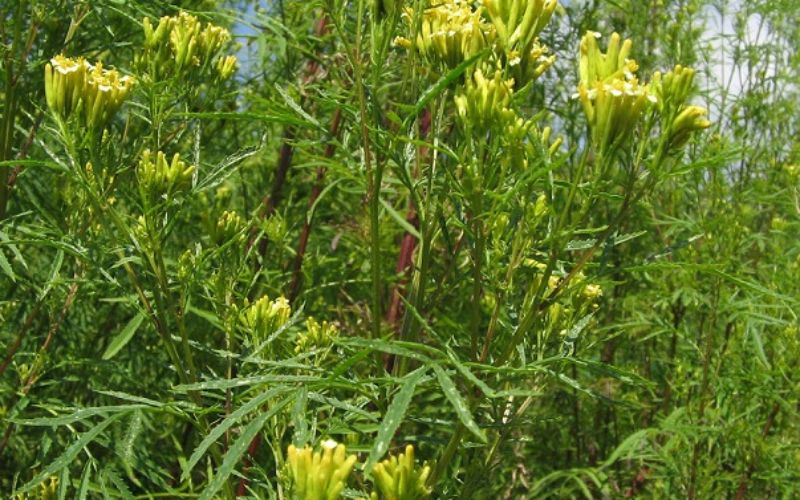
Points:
(298, 418)
(125, 445)
(227, 167)
(298, 109)
(467, 373)
(217, 432)
(81, 414)
(236, 451)
(123, 337)
(394, 417)
(400, 220)
(83, 489)
(55, 269)
(63, 483)
(442, 84)
(239, 382)
(458, 402)
(69, 454)
(6, 267)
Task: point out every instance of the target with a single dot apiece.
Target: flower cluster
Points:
(181, 46)
(265, 317)
(158, 177)
(518, 24)
(484, 102)
(398, 478)
(319, 476)
(449, 33)
(673, 90)
(316, 336)
(612, 97)
(74, 85)
(228, 226)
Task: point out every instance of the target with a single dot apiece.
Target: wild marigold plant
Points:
(399, 250)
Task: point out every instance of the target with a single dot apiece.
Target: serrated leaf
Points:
(69, 454)
(227, 167)
(125, 445)
(236, 451)
(123, 337)
(394, 417)
(83, 488)
(458, 402)
(5, 266)
(81, 414)
(226, 424)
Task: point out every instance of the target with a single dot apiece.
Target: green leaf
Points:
(298, 109)
(217, 432)
(236, 451)
(442, 84)
(467, 373)
(6, 267)
(458, 402)
(125, 445)
(401, 220)
(394, 417)
(69, 454)
(83, 489)
(123, 337)
(81, 414)
(225, 168)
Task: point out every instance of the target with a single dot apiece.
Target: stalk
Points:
(374, 176)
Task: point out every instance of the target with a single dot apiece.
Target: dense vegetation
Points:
(399, 250)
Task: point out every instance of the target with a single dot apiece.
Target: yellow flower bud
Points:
(316, 336)
(264, 317)
(319, 476)
(399, 478)
(158, 178)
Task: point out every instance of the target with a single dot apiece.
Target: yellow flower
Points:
(181, 46)
(265, 317)
(398, 478)
(229, 226)
(611, 95)
(673, 89)
(517, 24)
(613, 108)
(596, 66)
(316, 336)
(484, 102)
(72, 84)
(319, 476)
(450, 32)
(158, 177)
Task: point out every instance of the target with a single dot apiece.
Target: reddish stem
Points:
(271, 201)
(330, 149)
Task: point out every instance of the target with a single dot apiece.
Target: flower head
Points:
(484, 102)
(611, 95)
(319, 475)
(399, 478)
(265, 317)
(450, 32)
(159, 177)
(182, 46)
(73, 83)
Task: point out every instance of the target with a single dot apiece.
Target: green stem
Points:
(374, 177)
(9, 110)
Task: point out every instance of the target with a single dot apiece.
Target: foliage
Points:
(498, 249)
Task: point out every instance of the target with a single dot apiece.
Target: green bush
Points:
(499, 249)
